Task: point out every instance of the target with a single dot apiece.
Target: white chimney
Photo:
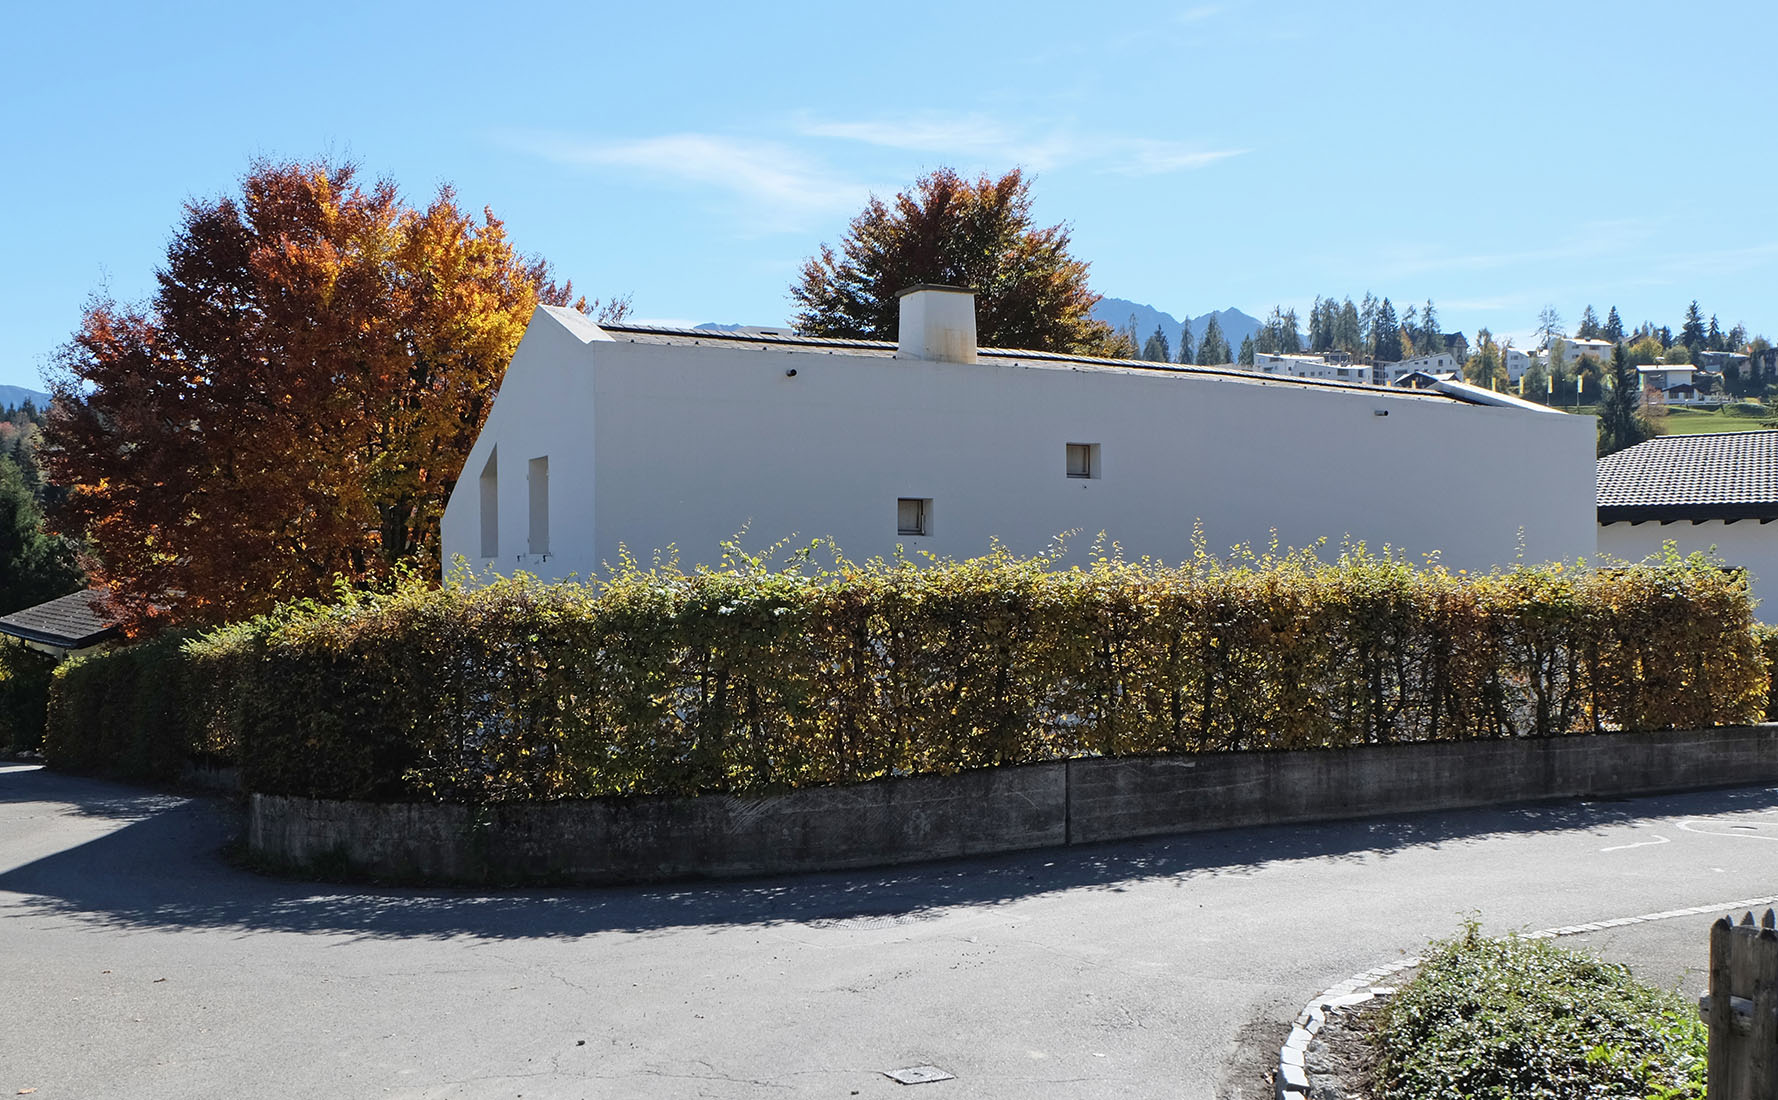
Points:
(937, 322)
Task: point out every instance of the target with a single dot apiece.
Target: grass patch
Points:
(1740, 417)
(1517, 1019)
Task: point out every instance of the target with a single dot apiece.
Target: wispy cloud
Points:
(979, 138)
(779, 182)
(1199, 13)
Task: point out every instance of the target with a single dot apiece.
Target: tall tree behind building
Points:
(1030, 292)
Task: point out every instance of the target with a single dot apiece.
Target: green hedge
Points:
(131, 713)
(1768, 642)
(24, 696)
(748, 680)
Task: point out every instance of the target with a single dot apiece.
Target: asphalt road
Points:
(136, 963)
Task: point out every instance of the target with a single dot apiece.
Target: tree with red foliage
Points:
(298, 399)
(1029, 292)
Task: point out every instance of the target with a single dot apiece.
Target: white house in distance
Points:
(1438, 363)
(1716, 492)
(643, 437)
(1311, 366)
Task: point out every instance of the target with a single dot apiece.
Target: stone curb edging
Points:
(1293, 1082)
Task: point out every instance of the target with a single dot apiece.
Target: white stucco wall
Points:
(652, 445)
(1746, 543)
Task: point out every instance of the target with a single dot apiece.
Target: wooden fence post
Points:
(1742, 1010)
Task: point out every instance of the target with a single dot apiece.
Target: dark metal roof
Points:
(703, 337)
(1726, 475)
(71, 622)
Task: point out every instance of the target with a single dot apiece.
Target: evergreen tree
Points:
(1367, 323)
(1187, 352)
(1265, 342)
(1157, 350)
(1348, 329)
(1245, 358)
(1620, 422)
(1290, 341)
(1736, 340)
(34, 565)
(1691, 334)
(1483, 368)
(1434, 339)
(1589, 325)
(1213, 350)
(1412, 342)
(1321, 324)
(1386, 337)
(1614, 327)
(1713, 336)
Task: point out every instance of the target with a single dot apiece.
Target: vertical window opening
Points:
(490, 484)
(539, 480)
(1083, 460)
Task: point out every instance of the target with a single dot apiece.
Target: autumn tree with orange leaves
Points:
(1029, 291)
(296, 401)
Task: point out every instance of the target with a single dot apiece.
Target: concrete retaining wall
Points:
(994, 810)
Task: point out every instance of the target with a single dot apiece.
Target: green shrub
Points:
(1768, 644)
(129, 713)
(1517, 1019)
(1747, 408)
(24, 697)
(749, 680)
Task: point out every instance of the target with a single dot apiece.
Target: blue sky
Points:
(1493, 157)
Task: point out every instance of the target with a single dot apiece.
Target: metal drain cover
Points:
(919, 1075)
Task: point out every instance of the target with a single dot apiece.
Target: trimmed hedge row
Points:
(24, 696)
(748, 680)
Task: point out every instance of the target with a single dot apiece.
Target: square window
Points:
(913, 516)
(1083, 460)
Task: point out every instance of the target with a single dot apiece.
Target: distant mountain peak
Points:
(1116, 312)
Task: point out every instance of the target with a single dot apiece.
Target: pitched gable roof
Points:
(1727, 475)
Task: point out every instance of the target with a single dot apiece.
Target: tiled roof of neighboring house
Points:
(1728, 475)
(885, 349)
(71, 622)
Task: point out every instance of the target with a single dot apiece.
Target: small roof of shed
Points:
(71, 622)
(1726, 475)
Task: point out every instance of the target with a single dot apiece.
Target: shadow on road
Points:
(162, 867)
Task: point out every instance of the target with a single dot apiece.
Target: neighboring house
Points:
(1716, 361)
(1516, 363)
(1312, 366)
(63, 627)
(1438, 363)
(639, 438)
(1700, 492)
(1664, 376)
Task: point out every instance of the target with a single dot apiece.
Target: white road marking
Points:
(1639, 844)
(1687, 826)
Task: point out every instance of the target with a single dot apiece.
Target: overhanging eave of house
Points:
(1764, 511)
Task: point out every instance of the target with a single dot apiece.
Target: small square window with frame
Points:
(913, 516)
(1083, 460)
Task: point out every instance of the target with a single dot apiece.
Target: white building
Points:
(1716, 493)
(1664, 376)
(1442, 362)
(648, 438)
(1317, 367)
(1574, 347)
(1516, 363)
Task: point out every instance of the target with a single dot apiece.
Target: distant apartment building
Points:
(1319, 367)
(1720, 360)
(1516, 362)
(1573, 347)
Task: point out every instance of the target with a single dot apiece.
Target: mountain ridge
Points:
(1236, 325)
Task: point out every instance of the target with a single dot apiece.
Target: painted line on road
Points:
(1293, 1074)
(1687, 823)
(1659, 839)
